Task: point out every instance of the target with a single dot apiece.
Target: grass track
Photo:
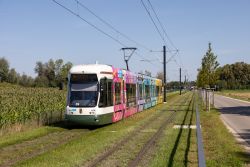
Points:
(178, 146)
(27, 135)
(175, 147)
(86, 147)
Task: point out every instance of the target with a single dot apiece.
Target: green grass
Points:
(221, 148)
(86, 147)
(26, 135)
(243, 94)
(178, 146)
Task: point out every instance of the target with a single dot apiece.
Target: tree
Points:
(52, 73)
(207, 76)
(148, 73)
(13, 76)
(160, 75)
(40, 69)
(4, 69)
(26, 80)
(234, 76)
(65, 70)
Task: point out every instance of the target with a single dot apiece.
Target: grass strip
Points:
(221, 148)
(27, 135)
(86, 147)
(237, 94)
(178, 146)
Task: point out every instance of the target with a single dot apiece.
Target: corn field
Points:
(19, 105)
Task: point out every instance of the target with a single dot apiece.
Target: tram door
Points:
(124, 100)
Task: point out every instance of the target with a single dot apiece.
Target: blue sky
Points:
(37, 30)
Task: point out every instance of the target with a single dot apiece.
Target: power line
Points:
(97, 28)
(161, 25)
(162, 28)
(92, 25)
(151, 18)
(110, 26)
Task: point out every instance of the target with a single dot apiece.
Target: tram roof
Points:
(91, 68)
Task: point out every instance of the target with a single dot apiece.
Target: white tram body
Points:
(101, 94)
(84, 95)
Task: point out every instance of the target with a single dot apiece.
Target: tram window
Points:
(157, 90)
(131, 94)
(83, 78)
(106, 97)
(117, 93)
(153, 91)
(110, 95)
(147, 91)
(140, 91)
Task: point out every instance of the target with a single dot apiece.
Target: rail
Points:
(201, 155)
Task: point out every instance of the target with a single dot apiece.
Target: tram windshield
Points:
(83, 90)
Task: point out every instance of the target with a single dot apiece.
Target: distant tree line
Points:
(233, 76)
(174, 85)
(52, 73)
(49, 74)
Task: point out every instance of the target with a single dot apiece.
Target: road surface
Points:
(236, 115)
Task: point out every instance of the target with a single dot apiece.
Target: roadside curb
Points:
(239, 139)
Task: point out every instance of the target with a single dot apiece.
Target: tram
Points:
(101, 94)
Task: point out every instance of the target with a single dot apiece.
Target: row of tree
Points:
(175, 85)
(49, 74)
(233, 76)
(52, 73)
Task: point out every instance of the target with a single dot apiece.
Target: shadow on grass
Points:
(70, 126)
(189, 137)
(179, 105)
(244, 156)
(173, 152)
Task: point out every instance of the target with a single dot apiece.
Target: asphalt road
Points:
(236, 115)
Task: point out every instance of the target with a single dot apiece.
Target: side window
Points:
(140, 91)
(106, 97)
(153, 90)
(157, 90)
(117, 93)
(147, 91)
(110, 95)
(131, 94)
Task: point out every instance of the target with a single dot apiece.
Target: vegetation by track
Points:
(221, 148)
(85, 149)
(25, 107)
(145, 139)
(26, 149)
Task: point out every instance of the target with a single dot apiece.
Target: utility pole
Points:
(164, 73)
(164, 69)
(128, 56)
(180, 81)
(185, 82)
